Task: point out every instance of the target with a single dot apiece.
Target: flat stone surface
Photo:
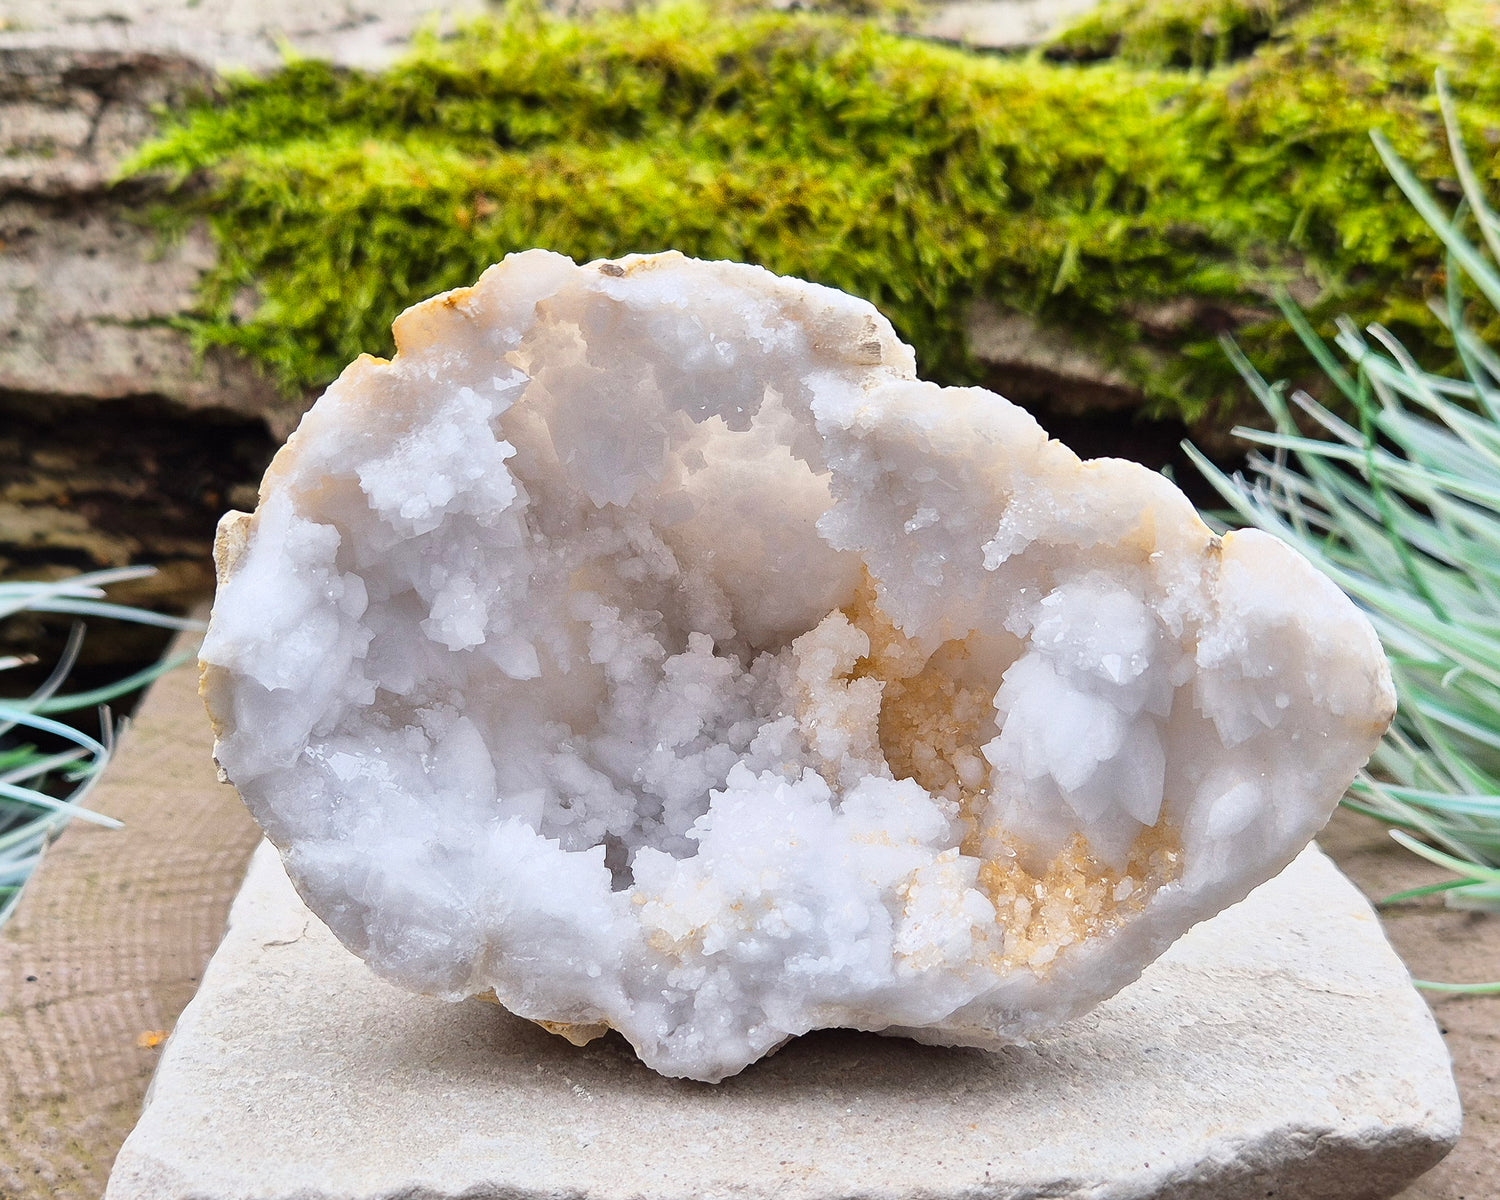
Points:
(1278, 1049)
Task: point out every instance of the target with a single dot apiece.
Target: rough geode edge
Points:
(1031, 1003)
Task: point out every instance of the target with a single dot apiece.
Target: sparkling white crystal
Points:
(646, 648)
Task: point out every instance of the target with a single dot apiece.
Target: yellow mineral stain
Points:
(931, 729)
(679, 948)
(1076, 898)
(931, 726)
(576, 1032)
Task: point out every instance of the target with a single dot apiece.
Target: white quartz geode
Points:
(647, 648)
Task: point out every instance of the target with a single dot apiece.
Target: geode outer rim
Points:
(236, 530)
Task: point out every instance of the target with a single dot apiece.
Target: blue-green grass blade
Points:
(1453, 757)
(71, 808)
(103, 695)
(16, 756)
(1482, 354)
(10, 897)
(1406, 377)
(1389, 465)
(13, 873)
(1473, 989)
(1334, 424)
(65, 662)
(1417, 893)
(1435, 447)
(99, 608)
(1446, 804)
(1460, 866)
(20, 594)
(59, 673)
(39, 827)
(1418, 820)
(41, 765)
(1468, 181)
(41, 791)
(1471, 725)
(47, 725)
(1472, 262)
(1316, 346)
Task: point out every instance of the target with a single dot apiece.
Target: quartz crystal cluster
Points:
(646, 648)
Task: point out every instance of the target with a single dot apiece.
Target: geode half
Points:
(647, 648)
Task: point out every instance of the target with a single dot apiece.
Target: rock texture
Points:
(1003, 24)
(646, 647)
(116, 444)
(1276, 1050)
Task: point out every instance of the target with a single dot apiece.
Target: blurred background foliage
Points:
(1145, 181)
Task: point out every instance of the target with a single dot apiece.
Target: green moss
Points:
(1180, 33)
(1092, 196)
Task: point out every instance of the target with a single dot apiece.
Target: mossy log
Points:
(1144, 184)
(1076, 226)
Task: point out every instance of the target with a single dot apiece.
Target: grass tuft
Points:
(42, 789)
(1400, 505)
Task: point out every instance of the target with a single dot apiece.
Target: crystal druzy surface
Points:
(647, 648)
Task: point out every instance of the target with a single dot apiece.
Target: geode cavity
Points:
(645, 646)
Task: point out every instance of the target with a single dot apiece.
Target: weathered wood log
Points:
(117, 444)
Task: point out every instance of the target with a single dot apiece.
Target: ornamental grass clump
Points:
(1400, 504)
(47, 766)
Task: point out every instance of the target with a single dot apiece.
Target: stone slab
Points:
(1278, 1049)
